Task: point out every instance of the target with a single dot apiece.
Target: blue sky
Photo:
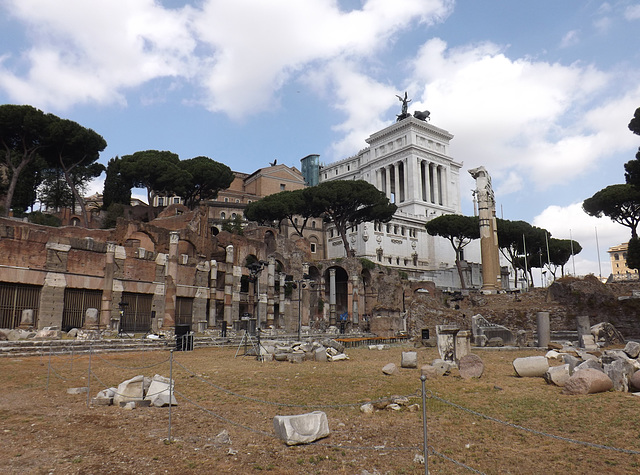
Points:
(540, 93)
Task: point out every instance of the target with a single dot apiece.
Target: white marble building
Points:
(410, 162)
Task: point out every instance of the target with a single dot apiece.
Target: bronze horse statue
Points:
(422, 115)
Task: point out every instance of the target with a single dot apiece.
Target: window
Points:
(226, 200)
(237, 201)
(313, 247)
(313, 224)
(336, 171)
(282, 186)
(616, 256)
(233, 216)
(176, 201)
(160, 201)
(223, 215)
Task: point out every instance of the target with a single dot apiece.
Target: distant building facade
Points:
(409, 161)
(619, 269)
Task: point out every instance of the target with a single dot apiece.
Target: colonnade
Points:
(413, 178)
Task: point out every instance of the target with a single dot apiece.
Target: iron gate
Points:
(76, 303)
(136, 312)
(14, 298)
(184, 310)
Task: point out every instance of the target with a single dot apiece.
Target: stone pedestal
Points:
(91, 319)
(26, 319)
(462, 344)
(447, 342)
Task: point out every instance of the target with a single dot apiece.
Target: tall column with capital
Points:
(170, 281)
(488, 230)
(332, 296)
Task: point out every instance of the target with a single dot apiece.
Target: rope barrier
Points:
(222, 418)
(283, 404)
(460, 464)
(533, 431)
(132, 367)
(419, 393)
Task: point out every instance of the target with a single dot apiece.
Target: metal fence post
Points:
(89, 374)
(423, 378)
(170, 390)
(49, 368)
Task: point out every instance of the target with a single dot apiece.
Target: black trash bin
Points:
(425, 333)
(184, 338)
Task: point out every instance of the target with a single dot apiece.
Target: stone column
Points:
(355, 315)
(51, 305)
(213, 285)
(170, 281)
(443, 184)
(228, 286)
(236, 277)
(262, 299)
(282, 301)
(106, 304)
(432, 187)
(387, 181)
(544, 329)
(332, 296)
(396, 182)
(488, 230)
(271, 269)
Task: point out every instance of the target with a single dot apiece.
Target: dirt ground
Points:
(47, 431)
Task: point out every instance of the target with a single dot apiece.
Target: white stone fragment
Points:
(302, 428)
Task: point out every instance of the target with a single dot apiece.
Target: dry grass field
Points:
(47, 431)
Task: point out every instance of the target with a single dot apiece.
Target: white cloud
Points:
(520, 116)
(632, 12)
(570, 39)
(93, 51)
(240, 52)
(595, 235)
(253, 58)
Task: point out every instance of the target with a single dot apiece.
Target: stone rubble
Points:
(321, 350)
(139, 391)
(585, 370)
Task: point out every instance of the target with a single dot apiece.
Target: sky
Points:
(539, 93)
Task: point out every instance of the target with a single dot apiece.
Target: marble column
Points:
(213, 284)
(107, 286)
(332, 296)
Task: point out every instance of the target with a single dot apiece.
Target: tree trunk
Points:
(345, 241)
(78, 198)
(15, 174)
(460, 274)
